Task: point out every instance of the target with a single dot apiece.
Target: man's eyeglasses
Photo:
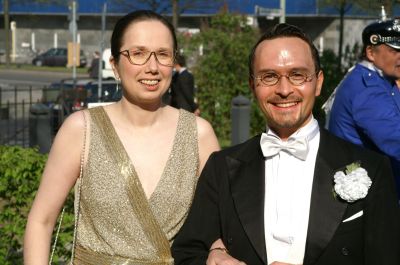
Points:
(140, 57)
(295, 78)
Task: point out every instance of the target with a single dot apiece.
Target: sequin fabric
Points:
(112, 218)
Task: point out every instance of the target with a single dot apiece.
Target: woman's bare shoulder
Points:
(204, 127)
(206, 134)
(72, 129)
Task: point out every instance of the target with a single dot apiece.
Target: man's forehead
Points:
(276, 45)
(285, 51)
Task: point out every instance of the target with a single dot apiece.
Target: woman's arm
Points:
(208, 141)
(60, 174)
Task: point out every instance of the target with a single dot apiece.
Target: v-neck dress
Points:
(115, 222)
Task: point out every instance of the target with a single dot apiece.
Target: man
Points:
(366, 109)
(94, 66)
(273, 199)
(182, 87)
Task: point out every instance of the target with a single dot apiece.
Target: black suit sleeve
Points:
(202, 226)
(382, 223)
(186, 84)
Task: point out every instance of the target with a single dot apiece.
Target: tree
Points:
(343, 6)
(176, 7)
(221, 73)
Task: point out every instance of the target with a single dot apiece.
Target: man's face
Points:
(385, 58)
(287, 107)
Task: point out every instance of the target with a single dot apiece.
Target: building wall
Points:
(352, 33)
(50, 30)
(324, 32)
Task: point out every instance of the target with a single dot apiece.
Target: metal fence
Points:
(15, 104)
(31, 115)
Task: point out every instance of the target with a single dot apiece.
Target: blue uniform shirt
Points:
(366, 111)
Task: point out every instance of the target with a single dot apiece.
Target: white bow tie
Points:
(271, 146)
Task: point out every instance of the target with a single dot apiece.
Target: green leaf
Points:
(20, 171)
(352, 167)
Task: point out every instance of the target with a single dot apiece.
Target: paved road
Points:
(34, 78)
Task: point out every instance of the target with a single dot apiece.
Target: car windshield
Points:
(50, 52)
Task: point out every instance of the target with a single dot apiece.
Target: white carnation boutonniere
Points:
(353, 184)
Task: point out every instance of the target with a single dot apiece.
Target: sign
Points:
(73, 54)
(268, 12)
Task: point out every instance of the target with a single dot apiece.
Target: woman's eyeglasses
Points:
(140, 57)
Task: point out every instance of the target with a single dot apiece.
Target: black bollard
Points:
(240, 117)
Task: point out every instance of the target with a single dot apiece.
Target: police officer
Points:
(366, 109)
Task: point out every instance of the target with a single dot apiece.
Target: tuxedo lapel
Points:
(326, 212)
(246, 176)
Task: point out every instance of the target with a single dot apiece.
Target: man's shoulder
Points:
(360, 81)
(346, 148)
(243, 151)
(355, 74)
(185, 73)
(367, 74)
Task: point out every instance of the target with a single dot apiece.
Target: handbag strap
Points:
(79, 182)
(55, 240)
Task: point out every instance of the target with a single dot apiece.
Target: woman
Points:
(141, 159)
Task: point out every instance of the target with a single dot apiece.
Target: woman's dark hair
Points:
(133, 17)
(285, 30)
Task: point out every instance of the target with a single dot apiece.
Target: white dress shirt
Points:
(288, 185)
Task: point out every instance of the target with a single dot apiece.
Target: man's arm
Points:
(378, 117)
(382, 223)
(202, 226)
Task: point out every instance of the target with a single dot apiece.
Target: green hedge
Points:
(221, 71)
(20, 172)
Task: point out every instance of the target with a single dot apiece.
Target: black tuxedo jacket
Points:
(182, 91)
(229, 204)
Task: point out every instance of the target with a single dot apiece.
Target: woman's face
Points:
(145, 84)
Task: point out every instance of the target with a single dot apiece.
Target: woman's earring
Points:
(118, 80)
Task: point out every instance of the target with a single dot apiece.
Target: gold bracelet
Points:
(221, 249)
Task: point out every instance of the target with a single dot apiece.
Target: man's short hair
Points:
(180, 59)
(284, 30)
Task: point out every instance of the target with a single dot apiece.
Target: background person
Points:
(271, 198)
(182, 87)
(94, 66)
(141, 159)
(366, 108)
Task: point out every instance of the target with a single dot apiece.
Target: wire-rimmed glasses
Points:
(295, 78)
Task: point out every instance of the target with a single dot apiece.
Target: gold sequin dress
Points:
(115, 222)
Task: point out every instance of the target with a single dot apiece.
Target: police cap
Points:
(383, 32)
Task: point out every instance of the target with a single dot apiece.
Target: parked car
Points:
(57, 57)
(86, 91)
(62, 99)
(108, 91)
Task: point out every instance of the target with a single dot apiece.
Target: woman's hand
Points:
(219, 255)
(281, 263)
